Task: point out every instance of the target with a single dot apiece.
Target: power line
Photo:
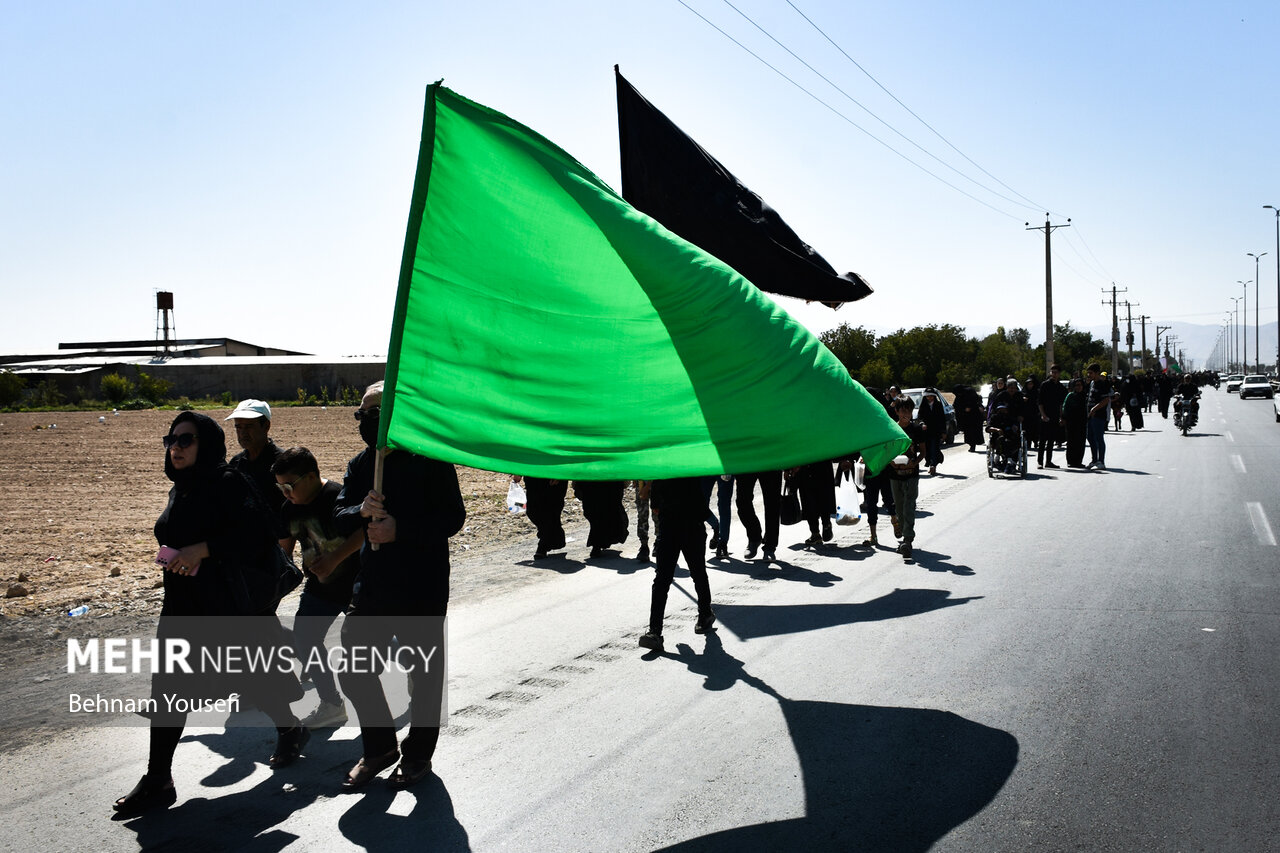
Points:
(931, 128)
(775, 70)
(869, 112)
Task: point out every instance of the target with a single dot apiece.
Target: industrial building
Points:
(196, 368)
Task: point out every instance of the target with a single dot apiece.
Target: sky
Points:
(257, 159)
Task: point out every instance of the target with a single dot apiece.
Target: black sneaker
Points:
(651, 641)
(750, 553)
(768, 555)
(714, 543)
(905, 550)
(704, 623)
(643, 556)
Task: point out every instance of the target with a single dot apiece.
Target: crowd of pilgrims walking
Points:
(380, 557)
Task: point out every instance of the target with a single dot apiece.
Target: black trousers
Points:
(675, 537)
(544, 509)
(362, 632)
(603, 509)
(1076, 434)
(771, 488)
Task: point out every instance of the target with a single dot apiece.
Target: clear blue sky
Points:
(257, 158)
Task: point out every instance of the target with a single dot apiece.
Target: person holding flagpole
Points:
(400, 596)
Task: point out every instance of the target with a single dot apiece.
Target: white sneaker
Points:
(325, 715)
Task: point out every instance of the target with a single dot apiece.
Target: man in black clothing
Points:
(252, 421)
(680, 508)
(771, 490)
(1052, 393)
(401, 594)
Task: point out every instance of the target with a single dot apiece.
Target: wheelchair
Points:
(1006, 451)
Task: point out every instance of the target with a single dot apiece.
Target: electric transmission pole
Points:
(1143, 320)
(1048, 288)
(1115, 329)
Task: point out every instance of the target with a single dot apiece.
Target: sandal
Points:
(410, 771)
(367, 768)
(148, 794)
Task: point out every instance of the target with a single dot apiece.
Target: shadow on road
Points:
(749, 621)
(935, 562)
(774, 570)
(243, 821)
(876, 779)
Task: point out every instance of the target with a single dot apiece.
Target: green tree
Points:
(927, 347)
(853, 346)
(153, 389)
(11, 385)
(913, 376)
(115, 388)
(47, 395)
(876, 374)
(1073, 349)
(995, 356)
(953, 374)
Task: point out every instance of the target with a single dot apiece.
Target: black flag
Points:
(673, 179)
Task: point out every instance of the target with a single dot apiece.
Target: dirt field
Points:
(80, 499)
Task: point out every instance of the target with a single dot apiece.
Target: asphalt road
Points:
(1075, 661)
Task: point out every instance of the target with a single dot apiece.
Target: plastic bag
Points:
(515, 497)
(848, 504)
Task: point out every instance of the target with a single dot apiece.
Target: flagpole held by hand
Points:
(377, 479)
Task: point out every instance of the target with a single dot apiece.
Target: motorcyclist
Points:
(1187, 397)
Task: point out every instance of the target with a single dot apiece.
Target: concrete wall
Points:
(197, 377)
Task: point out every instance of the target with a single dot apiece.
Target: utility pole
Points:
(1115, 329)
(1143, 320)
(1160, 330)
(1128, 336)
(1048, 288)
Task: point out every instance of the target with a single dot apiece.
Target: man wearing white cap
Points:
(252, 419)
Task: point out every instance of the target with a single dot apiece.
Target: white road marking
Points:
(1238, 463)
(1230, 437)
(1261, 527)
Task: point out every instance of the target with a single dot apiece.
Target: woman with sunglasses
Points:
(218, 551)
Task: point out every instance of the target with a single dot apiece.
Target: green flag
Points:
(544, 326)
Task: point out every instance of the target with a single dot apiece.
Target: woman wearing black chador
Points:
(219, 553)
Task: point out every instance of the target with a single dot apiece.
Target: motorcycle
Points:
(1185, 413)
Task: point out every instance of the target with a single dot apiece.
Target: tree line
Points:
(943, 356)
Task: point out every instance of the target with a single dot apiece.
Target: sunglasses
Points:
(370, 413)
(288, 488)
(184, 441)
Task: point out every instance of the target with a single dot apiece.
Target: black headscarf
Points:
(211, 451)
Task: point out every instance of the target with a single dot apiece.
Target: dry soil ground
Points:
(79, 500)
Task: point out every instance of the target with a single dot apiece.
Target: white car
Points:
(1256, 386)
(1233, 382)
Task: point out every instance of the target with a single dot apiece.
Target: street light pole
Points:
(1256, 288)
(1277, 260)
(1235, 325)
(1244, 325)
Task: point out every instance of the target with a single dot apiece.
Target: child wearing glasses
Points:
(331, 561)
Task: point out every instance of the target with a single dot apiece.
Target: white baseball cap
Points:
(251, 409)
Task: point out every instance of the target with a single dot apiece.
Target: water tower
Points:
(164, 320)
